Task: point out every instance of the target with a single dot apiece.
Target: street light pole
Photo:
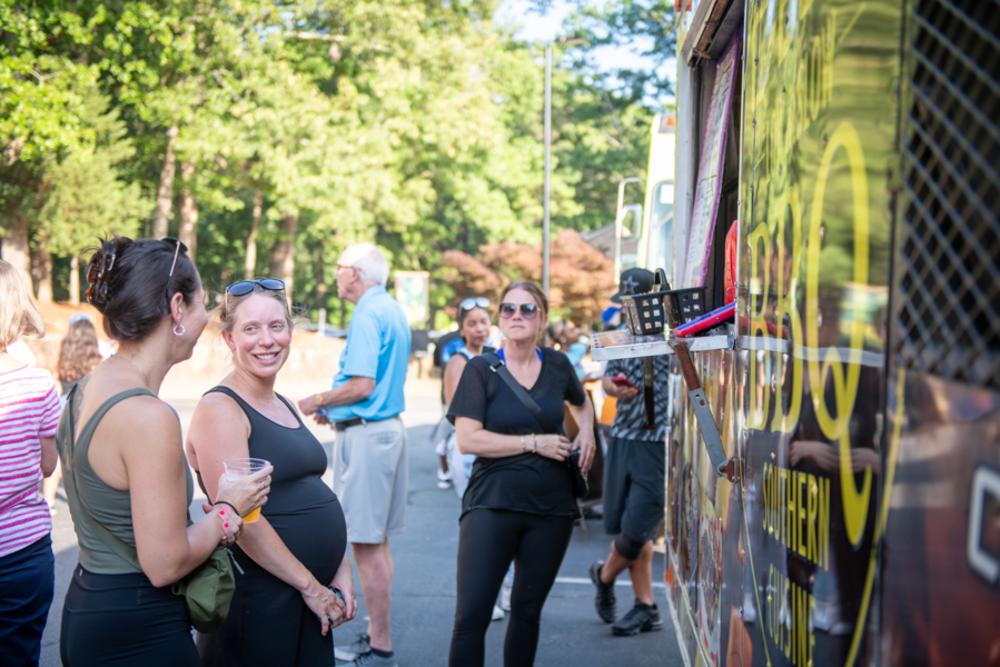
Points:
(548, 168)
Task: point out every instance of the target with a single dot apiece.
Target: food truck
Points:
(848, 152)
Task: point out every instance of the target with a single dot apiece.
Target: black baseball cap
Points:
(633, 281)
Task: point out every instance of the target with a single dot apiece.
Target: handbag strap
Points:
(127, 552)
(498, 366)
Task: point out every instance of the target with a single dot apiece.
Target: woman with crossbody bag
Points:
(520, 502)
(127, 481)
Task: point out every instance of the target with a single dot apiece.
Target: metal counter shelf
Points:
(621, 344)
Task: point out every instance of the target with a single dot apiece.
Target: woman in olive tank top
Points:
(127, 482)
(297, 583)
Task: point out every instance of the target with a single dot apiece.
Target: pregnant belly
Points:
(317, 536)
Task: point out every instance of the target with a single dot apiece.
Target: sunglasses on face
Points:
(529, 311)
(475, 302)
(244, 287)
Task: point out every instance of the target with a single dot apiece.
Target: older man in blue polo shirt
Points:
(370, 467)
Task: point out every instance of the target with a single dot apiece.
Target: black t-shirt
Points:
(523, 482)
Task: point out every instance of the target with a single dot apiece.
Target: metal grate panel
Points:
(948, 314)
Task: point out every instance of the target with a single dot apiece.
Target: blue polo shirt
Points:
(378, 347)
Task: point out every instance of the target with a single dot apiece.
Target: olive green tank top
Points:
(90, 498)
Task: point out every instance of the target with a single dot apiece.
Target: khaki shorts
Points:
(369, 477)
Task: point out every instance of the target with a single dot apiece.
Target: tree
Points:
(85, 197)
(40, 109)
(582, 280)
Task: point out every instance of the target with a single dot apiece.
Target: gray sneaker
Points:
(369, 659)
(350, 652)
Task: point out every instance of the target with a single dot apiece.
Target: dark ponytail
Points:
(131, 284)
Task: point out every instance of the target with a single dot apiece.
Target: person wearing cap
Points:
(633, 478)
(370, 463)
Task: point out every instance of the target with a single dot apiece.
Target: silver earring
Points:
(179, 330)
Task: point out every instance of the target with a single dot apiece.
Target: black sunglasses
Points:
(529, 311)
(244, 287)
(475, 302)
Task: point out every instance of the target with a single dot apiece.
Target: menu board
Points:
(412, 294)
(708, 187)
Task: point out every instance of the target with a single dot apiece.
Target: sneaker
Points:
(353, 650)
(640, 618)
(444, 483)
(604, 599)
(369, 659)
(497, 614)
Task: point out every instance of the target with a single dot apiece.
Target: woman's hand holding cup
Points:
(245, 484)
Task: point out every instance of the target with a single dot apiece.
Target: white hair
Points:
(368, 260)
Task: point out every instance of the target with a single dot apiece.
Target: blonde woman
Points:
(297, 581)
(29, 412)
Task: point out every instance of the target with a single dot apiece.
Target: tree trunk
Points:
(74, 281)
(319, 275)
(283, 254)
(41, 272)
(165, 195)
(250, 262)
(15, 245)
(187, 232)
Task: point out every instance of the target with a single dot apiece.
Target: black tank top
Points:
(301, 507)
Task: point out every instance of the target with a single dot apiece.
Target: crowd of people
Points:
(504, 448)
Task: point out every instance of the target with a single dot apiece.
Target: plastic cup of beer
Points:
(243, 467)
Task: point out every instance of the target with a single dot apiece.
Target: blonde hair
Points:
(230, 304)
(19, 315)
(537, 295)
(531, 288)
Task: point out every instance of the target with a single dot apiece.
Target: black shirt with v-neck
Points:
(524, 482)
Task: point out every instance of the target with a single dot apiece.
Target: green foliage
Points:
(413, 123)
(85, 198)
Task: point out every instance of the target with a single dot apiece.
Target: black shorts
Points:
(634, 487)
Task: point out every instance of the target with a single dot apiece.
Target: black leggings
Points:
(488, 541)
(121, 619)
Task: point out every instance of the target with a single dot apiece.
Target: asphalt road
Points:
(424, 590)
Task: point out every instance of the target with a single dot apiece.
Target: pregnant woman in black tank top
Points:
(284, 606)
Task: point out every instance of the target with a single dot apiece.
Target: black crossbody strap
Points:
(500, 368)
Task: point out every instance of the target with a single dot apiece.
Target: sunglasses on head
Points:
(529, 311)
(244, 287)
(178, 246)
(475, 302)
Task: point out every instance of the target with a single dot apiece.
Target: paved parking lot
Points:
(424, 592)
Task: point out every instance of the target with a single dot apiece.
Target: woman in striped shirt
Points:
(29, 414)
